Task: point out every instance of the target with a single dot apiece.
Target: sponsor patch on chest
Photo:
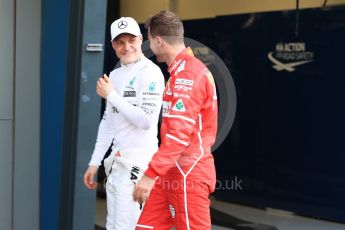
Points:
(129, 94)
(182, 81)
(165, 108)
(179, 106)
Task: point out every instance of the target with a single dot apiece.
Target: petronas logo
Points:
(179, 106)
(152, 87)
(131, 82)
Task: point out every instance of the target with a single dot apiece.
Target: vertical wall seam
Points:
(173, 6)
(13, 107)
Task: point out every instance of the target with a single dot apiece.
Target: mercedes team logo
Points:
(122, 24)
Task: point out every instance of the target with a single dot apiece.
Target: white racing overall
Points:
(130, 123)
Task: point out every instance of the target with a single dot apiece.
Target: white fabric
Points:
(130, 120)
(108, 163)
(124, 25)
(123, 211)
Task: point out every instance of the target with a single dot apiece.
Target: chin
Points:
(127, 60)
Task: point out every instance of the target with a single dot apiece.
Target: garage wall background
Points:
(6, 110)
(23, 65)
(286, 144)
(197, 9)
(20, 37)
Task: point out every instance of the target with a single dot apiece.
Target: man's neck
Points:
(135, 61)
(173, 51)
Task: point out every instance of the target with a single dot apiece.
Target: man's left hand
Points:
(143, 188)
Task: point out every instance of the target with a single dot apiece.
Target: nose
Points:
(126, 46)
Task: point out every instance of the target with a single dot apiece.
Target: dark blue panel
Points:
(286, 145)
(53, 76)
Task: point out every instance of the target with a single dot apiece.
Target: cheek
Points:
(117, 48)
(117, 51)
(152, 47)
(137, 46)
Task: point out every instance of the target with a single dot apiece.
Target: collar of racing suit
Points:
(187, 52)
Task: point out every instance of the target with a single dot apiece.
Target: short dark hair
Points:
(167, 25)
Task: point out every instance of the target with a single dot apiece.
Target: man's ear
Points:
(113, 44)
(160, 40)
(141, 39)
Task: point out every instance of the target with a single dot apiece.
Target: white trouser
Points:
(123, 211)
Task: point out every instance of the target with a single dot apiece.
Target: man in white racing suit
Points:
(134, 98)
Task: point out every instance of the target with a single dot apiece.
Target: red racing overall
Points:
(184, 163)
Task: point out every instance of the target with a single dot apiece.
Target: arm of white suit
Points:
(105, 137)
(145, 115)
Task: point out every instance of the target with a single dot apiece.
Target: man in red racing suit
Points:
(183, 165)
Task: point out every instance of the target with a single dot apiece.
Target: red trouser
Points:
(175, 203)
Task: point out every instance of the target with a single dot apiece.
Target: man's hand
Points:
(89, 177)
(104, 86)
(143, 188)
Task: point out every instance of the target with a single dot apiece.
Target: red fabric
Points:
(192, 84)
(188, 131)
(167, 207)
